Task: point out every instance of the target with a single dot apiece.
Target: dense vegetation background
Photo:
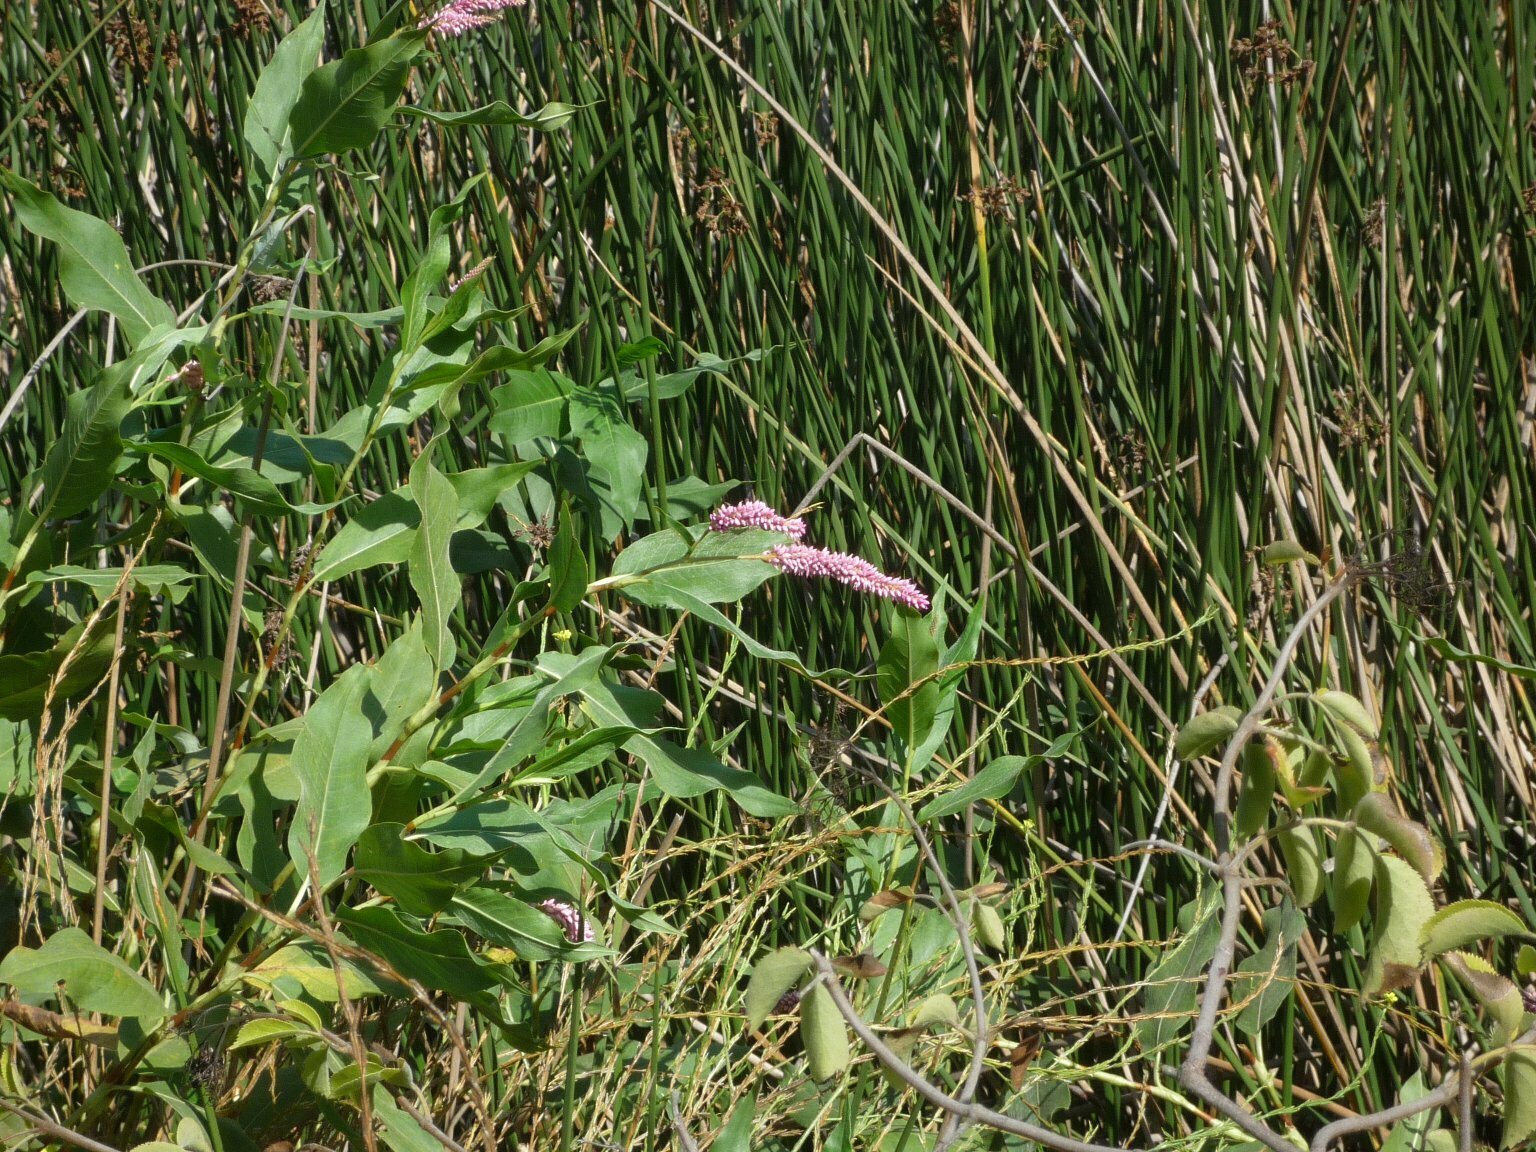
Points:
(1118, 295)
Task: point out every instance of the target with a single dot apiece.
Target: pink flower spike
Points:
(859, 574)
(571, 922)
(754, 514)
(461, 16)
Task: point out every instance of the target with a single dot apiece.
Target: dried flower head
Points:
(571, 922)
(857, 573)
(755, 514)
(463, 16)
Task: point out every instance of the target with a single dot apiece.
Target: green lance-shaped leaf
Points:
(440, 960)
(1347, 710)
(345, 104)
(568, 574)
(1448, 651)
(736, 1136)
(987, 928)
(1403, 906)
(1303, 863)
(1525, 960)
(1264, 980)
(382, 532)
(824, 1033)
(1354, 873)
(775, 974)
(401, 1132)
(436, 584)
(277, 90)
(499, 113)
(432, 266)
(508, 922)
(615, 455)
(1257, 795)
(86, 975)
(330, 762)
(95, 270)
(910, 656)
(996, 779)
(1498, 995)
(1375, 813)
(1174, 983)
(1466, 922)
(1518, 1074)
(1206, 732)
(421, 882)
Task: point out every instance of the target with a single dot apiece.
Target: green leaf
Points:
(1403, 907)
(82, 463)
(1449, 651)
(330, 761)
(996, 779)
(90, 978)
(1257, 795)
(248, 484)
(400, 684)
(478, 489)
(1466, 922)
(736, 1136)
(568, 574)
(400, 1130)
(1264, 981)
(431, 571)
(155, 579)
(1518, 1074)
(421, 882)
(344, 105)
(1375, 813)
(937, 1009)
(432, 266)
(1206, 732)
(509, 923)
(910, 656)
(824, 1033)
(1285, 552)
(94, 267)
(384, 532)
(309, 966)
(1348, 710)
(1303, 863)
(615, 456)
(1354, 874)
(774, 975)
(277, 89)
(1175, 982)
(1498, 995)
(531, 404)
(548, 118)
(987, 928)
(439, 960)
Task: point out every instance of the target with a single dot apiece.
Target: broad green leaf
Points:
(937, 1009)
(548, 118)
(400, 1130)
(89, 977)
(94, 267)
(25, 677)
(1175, 982)
(432, 265)
(421, 882)
(909, 657)
(1347, 710)
(954, 662)
(155, 579)
(1206, 732)
(1498, 995)
(1285, 552)
(309, 966)
(345, 104)
(1403, 906)
(615, 457)
(259, 1033)
(1466, 922)
(1412, 1134)
(330, 761)
(1355, 773)
(1263, 982)
(824, 1033)
(401, 683)
(1377, 814)
(439, 960)
(384, 532)
(714, 568)
(532, 404)
(497, 358)
(509, 923)
(679, 772)
(1518, 1075)
(277, 89)
(436, 584)
(987, 928)
(478, 489)
(1257, 794)
(82, 463)
(1354, 873)
(736, 1136)
(775, 974)
(996, 779)
(568, 575)
(1303, 863)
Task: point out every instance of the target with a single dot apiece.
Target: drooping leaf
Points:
(904, 674)
(437, 585)
(1376, 813)
(421, 882)
(1206, 732)
(95, 269)
(996, 779)
(277, 89)
(774, 975)
(824, 1033)
(1257, 795)
(1498, 995)
(1285, 552)
(330, 762)
(1518, 1074)
(309, 966)
(82, 463)
(1264, 980)
(1303, 859)
(568, 574)
(1403, 906)
(251, 486)
(345, 104)
(736, 1136)
(1448, 651)
(1174, 983)
(548, 118)
(1347, 710)
(1466, 922)
(90, 978)
(1354, 873)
